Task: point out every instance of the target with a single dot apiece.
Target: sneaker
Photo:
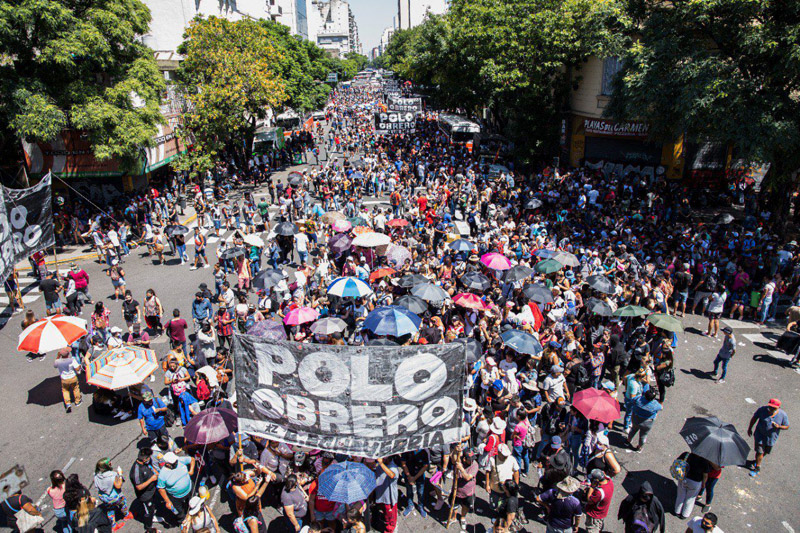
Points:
(463, 523)
(423, 513)
(754, 473)
(206, 266)
(157, 519)
(68, 408)
(408, 510)
(125, 416)
(119, 414)
(720, 381)
(78, 403)
(193, 267)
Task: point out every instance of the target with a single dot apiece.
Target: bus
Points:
(459, 130)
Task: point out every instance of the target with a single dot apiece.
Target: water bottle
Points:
(202, 491)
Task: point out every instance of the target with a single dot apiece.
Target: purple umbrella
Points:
(398, 255)
(212, 425)
(340, 243)
(268, 329)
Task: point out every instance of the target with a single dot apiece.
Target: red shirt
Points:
(600, 501)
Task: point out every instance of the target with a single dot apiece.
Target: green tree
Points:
(718, 70)
(360, 61)
(70, 64)
(229, 76)
(514, 57)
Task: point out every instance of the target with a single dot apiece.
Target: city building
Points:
(332, 25)
(412, 13)
(386, 36)
(171, 17)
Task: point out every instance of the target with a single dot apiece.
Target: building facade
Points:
(412, 13)
(590, 139)
(333, 27)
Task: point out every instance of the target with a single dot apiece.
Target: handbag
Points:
(667, 378)
(25, 520)
(679, 467)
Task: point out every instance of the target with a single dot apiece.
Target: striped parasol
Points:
(51, 333)
(122, 367)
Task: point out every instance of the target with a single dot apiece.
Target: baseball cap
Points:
(774, 402)
(147, 395)
(597, 475)
(727, 329)
(554, 344)
(555, 442)
(556, 368)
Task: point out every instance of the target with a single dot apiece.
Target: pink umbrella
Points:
(496, 261)
(301, 315)
(340, 226)
(470, 301)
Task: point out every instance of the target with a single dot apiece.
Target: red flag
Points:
(537, 315)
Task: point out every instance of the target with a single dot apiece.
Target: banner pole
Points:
(241, 463)
(451, 516)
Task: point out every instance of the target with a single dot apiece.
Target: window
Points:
(611, 66)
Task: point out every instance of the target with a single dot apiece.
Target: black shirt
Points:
(49, 287)
(12, 506)
(139, 474)
(697, 467)
(129, 310)
(415, 461)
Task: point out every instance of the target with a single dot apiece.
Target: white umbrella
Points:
(371, 240)
(51, 333)
(254, 240)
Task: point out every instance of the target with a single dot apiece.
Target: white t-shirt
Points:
(501, 471)
(554, 386)
(695, 525)
(66, 367)
(302, 242)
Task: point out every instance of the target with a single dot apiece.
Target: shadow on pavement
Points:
(663, 487)
(699, 374)
(771, 359)
(46, 393)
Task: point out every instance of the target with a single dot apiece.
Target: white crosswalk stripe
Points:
(30, 293)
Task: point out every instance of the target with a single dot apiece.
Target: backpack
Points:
(679, 467)
(641, 521)
(582, 378)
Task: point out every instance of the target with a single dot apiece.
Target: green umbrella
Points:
(357, 221)
(548, 266)
(666, 322)
(632, 310)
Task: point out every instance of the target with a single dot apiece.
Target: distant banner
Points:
(370, 401)
(26, 223)
(404, 104)
(395, 122)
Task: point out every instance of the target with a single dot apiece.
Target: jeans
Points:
(182, 252)
(709, 489)
(629, 403)
(575, 441)
(684, 501)
(763, 311)
(416, 491)
(303, 256)
(724, 362)
(62, 520)
(551, 529)
(523, 458)
(643, 427)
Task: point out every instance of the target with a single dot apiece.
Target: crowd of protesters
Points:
(527, 451)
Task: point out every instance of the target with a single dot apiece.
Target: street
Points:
(41, 437)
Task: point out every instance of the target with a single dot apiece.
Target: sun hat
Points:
(569, 485)
(498, 425)
(170, 458)
(195, 505)
(470, 405)
(504, 450)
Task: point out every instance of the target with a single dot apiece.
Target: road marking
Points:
(750, 400)
(738, 324)
(69, 464)
(789, 528)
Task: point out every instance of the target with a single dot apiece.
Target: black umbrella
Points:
(287, 229)
(295, 179)
(413, 304)
(521, 341)
(231, 253)
(266, 279)
(599, 307)
(600, 283)
(176, 229)
(381, 342)
(517, 273)
(429, 292)
(460, 245)
(716, 441)
(474, 350)
(410, 280)
(532, 203)
(475, 281)
(538, 293)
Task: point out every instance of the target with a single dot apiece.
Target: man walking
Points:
(768, 420)
(562, 509)
(144, 480)
(725, 354)
(175, 483)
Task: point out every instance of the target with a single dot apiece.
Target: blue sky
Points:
(372, 16)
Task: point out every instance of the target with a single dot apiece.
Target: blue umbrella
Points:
(460, 245)
(349, 287)
(543, 253)
(346, 482)
(521, 342)
(392, 320)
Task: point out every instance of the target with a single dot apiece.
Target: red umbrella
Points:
(470, 301)
(596, 405)
(382, 273)
(397, 223)
(51, 333)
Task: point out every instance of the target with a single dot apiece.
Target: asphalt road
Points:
(37, 434)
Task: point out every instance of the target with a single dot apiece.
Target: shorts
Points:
(200, 252)
(682, 297)
(763, 448)
(468, 502)
(326, 516)
(217, 224)
(52, 306)
(714, 316)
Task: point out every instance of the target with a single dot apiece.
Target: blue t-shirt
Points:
(176, 481)
(765, 432)
(562, 510)
(152, 421)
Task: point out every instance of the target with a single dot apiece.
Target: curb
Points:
(91, 255)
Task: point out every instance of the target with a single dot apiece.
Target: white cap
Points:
(170, 458)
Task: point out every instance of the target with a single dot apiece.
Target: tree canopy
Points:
(725, 71)
(514, 57)
(80, 65)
